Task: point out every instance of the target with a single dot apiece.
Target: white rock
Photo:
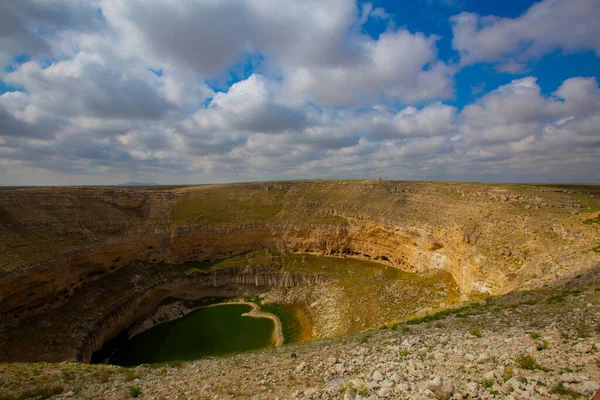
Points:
(583, 347)
(301, 367)
(484, 357)
(472, 388)
(489, 376)
(377, 376)
(441, 387)
(386, 383)
(573, 378)
(586, 388)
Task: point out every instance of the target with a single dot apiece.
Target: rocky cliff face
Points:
(491, 238)
(101, 310)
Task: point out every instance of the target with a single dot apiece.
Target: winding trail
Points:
(257, 313)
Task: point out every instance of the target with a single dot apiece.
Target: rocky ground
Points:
(543, 344)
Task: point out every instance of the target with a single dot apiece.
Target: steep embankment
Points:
(102, 309)
(490, 238)
(318, 297)
(542, 344)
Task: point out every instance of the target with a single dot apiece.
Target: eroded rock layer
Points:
(491, 238)
(56, 242)
(102, 309)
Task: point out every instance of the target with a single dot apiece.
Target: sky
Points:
(203, 91)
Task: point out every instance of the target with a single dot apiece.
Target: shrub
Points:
(508, 372)
(582, 330)
(525, 361)
(103, 377)
(487, 383)
(134, 392)
(131, 376)
(41, 393)
(543, 345)
(563, 391)
(534, 335)
(476, 332)
(523, 380)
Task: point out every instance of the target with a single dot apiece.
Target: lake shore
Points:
(257, 313)
(179, 309)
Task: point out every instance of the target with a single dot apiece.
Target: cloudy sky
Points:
(196, 91)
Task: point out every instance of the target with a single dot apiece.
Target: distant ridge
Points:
(138, 184)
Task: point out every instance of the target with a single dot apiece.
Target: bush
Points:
(476, 332)
(582, 330)
(103, 377)
(508, 372)
(133, 392)
(534, 335)
(487, 383)
(131, 376)
(563, 391)
(525, 361)
(41, 393)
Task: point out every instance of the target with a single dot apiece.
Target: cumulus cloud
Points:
(27, 26)
(384, 70)
(248, 105)
(85, 85)
(512, 43)
(317, 46)
(121, 88)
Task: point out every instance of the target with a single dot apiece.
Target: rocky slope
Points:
(79, 265)
(541, 344)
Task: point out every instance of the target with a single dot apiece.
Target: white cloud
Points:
(326, 101)
(28, 26)
(398, 65)
(316, 46)
(512, 43)
(249, 106)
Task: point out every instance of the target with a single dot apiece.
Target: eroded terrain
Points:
(78, 266)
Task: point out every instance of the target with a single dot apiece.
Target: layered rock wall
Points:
(490, 238)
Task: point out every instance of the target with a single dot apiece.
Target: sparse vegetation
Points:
(526, 361)
(508, 372)
(534, 335)
(476, 332)
(583, 330)
(560, 389)
(41, 393)
(131, 376)
(543, 345)
(487, 383)
(134, 392)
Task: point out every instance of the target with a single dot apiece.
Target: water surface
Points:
(210, 331)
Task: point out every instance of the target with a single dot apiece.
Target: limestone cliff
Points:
(491, 238)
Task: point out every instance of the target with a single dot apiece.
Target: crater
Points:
(206, 331)
(327, 258)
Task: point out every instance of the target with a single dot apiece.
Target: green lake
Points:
(210, 331)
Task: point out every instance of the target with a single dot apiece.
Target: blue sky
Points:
(193, 91)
